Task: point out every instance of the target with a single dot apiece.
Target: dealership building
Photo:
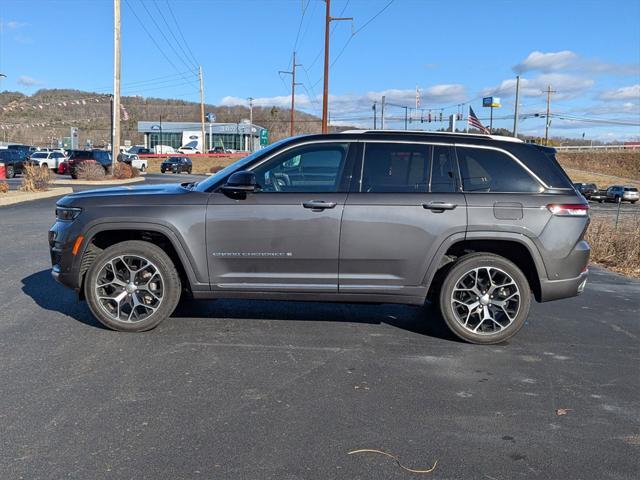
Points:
(236, 136)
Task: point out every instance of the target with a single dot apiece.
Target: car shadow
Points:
(50, 295)
(423, 320)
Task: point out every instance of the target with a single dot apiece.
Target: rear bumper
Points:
(557, 289)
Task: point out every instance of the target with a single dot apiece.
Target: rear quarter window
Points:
(542, 161)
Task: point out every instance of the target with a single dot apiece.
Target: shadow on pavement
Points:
(50, 295)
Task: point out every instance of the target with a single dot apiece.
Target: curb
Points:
(97, 182)
(11, 198)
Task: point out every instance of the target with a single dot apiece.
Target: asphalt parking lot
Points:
(272, 390)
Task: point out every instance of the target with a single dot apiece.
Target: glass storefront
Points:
(171, 139)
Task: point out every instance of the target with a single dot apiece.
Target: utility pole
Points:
(293, 93)
(115, 114)
(202, 107)
(250, 124)
(405, 117)
(515, 112)
(374, 114)
(547, 119)
(382, 114)
(325, 95)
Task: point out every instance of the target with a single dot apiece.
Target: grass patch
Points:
(618, 163)
(616, 248)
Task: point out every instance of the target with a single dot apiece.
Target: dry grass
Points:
(617, 249)
(4, 187)
(35, 179)
(201, 165)
(615, 163)
(88, 170)
(600, 179)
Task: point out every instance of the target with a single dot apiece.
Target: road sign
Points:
(493, 102)
(264, 137)
(211, 117)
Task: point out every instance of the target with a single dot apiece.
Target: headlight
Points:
(67, 213)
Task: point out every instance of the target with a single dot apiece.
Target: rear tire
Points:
(132, 286)
(10, 171)
(485, 298)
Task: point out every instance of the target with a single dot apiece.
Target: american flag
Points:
(474, 122)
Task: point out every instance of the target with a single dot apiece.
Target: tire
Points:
(137, 309)
(457, 291)
(142, 168)
(162, 170)
(10, 171)
(44, 165)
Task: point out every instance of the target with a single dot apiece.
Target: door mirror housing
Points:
(243, 181)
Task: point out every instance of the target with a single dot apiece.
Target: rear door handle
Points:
(318, 204)
(439, 206)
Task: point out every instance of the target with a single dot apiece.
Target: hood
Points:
(126, 194)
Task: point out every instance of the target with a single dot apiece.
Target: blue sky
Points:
(454, 51)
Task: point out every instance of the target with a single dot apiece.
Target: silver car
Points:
(621, 193)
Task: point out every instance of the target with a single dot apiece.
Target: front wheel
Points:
(485, 298)
(132, 286)
(10, 171)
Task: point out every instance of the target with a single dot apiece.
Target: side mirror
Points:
(240, 182)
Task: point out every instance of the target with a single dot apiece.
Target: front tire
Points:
(485, 298)
(132, 286)
(10, 171)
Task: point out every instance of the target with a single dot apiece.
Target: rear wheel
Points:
(132, 286)
(10, 171)
(485, 298)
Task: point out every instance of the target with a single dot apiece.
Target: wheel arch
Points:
(517, 248)
(105, 235)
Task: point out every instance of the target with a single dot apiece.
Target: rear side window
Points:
(486, 170)
(395, 168)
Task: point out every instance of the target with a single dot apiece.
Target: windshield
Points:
(236, 166)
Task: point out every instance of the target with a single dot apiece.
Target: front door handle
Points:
(318, 204)
(439, 206)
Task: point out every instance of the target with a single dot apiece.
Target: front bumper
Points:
(566, 288)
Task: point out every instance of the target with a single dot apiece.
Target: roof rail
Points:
(431, 132)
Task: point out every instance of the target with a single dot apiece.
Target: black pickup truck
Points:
(591, 192)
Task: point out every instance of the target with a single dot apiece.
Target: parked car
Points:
(176, 165)
(49, 160)
(77, 157)
(187, 150)
(479, 224)
(217, 150)
(13, 161)
(135, 161)
(586, 189)
(137, 150)
(622, 193)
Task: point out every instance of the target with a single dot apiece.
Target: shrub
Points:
(616, 248)
(35, 178)
(89, 170)
(215, 169)
(4, 187)
(124, 171)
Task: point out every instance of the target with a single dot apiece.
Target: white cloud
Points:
(631, 92)
(546, 62)
(26, 81)
(566, 86)
(350, 103)
(569, 61)
(13, 24)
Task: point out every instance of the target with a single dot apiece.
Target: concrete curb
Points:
(14, 197)
(97, 182)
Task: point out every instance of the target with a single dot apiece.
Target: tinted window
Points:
(310, 168)
(485, 170)
(395, 168)
(443, 167)
(630, 189)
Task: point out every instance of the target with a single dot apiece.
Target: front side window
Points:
(395, 168)
(487, 170)
(309, 168)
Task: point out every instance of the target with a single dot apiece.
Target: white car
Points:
(50, 160)
(135, 161)
(186, 150)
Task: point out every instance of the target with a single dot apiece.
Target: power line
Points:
(195, 61)
(164, 19)
(151, 37)
(164, 36)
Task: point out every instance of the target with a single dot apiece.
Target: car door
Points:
(406, 203)
(285, 236)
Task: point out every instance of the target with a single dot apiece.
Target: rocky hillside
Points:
(49, 114)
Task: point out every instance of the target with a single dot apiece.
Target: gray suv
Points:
(477, 224)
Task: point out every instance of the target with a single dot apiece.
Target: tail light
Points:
(569, 210)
